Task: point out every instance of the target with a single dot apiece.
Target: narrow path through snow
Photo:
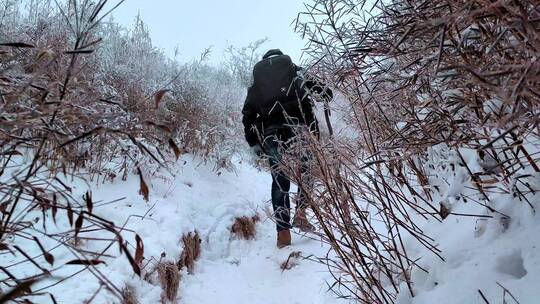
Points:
(250, 272)
(229, 270)
(240, 271)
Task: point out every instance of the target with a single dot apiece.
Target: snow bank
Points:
(483, 254)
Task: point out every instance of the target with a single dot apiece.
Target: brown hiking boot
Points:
(301, 222)
(283, 238)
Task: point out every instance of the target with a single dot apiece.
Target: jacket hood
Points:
(273, 52)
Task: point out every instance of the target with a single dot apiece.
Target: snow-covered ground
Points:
(195, 199)
(486, 255)
(482, 256)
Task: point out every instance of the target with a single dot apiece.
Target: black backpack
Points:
(275, 78)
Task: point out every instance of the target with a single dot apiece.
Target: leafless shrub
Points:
(50, 132)
(191, 251)
(240, 61)
(245, 227)
(77, 101)
(73, 105)
(418, 75)
(169, 277)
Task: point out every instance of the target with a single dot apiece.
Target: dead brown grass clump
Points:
(129, 296)
(191, 251)
(244, 227)
(169, 278)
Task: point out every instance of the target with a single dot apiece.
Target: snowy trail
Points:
(250, 273)
(239, 271)
(196, 199)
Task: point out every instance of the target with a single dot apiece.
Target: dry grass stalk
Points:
(292, 261)
(191, 251)
(418, 75)
(245, 227)
(169, 277)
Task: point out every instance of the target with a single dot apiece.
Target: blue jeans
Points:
(276, 142)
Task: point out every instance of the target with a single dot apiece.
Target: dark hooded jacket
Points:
(296, 110)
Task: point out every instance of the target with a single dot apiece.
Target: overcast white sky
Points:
(194, 25)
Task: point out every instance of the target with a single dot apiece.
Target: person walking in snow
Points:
(278, 103)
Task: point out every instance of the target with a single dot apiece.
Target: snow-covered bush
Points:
(442, 96)
(55, 126)
(85, 100)
(240, 61)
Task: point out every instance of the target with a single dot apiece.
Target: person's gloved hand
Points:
(257, 150)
